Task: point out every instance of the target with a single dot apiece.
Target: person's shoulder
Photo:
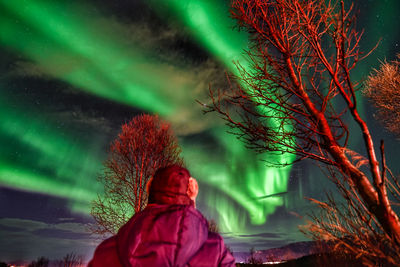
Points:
(106, 254)
(192, 211)
(108, 243)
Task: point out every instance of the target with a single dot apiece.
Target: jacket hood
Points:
(169, 186)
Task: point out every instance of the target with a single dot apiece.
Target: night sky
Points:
(72, 72)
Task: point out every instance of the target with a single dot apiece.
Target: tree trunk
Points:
(384, 213)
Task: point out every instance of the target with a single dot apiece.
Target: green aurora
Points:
(63, 42)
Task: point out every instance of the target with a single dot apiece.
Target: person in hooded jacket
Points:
(170, 231)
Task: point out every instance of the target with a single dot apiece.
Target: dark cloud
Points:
(22, 224)
(34, 225)
(263, 235)
(37, 207)
(57, 233)
(29, 239)
(9, 228)
(258, 244)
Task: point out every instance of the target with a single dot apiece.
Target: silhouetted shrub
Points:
(40, 262)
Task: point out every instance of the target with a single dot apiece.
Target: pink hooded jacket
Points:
(170, 231)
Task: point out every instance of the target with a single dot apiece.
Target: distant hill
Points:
(315, 260)
(285, 253)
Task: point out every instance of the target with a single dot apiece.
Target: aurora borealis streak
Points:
(36, 156)
(239, 180)
(209, 23)
(66, 48)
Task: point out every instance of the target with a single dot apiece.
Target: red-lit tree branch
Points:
(288, 99)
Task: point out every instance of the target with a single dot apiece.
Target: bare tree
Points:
(71, 260)
(144, 145)
(40, 262)
(383, 88)
(302, 55)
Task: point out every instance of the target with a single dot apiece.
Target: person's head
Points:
(172, 185)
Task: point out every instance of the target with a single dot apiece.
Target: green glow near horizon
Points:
(240, 176)
(76, 50)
